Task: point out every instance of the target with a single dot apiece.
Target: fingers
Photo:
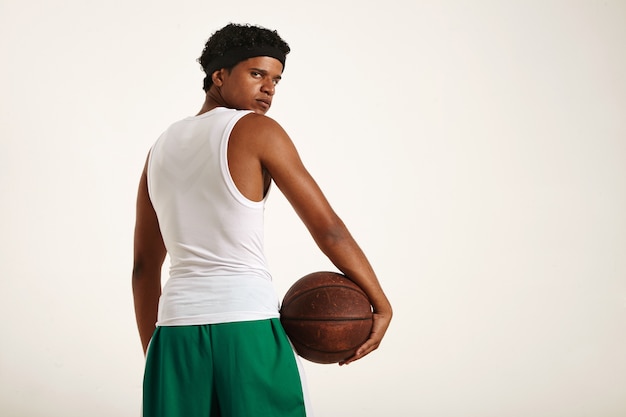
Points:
(366, 348)
(381, 323)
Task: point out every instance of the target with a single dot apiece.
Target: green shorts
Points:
(241, 369)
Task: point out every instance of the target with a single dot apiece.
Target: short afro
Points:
(234, 36)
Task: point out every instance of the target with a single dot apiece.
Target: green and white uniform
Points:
(219, 348)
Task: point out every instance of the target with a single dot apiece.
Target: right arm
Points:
(279, 157)
(149, 254)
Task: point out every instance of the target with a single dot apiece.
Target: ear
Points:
(218, 77)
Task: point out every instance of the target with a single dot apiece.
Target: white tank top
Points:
(213, 234)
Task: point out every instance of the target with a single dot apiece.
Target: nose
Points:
(268, 87)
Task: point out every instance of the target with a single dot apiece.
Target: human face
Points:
(251, 84)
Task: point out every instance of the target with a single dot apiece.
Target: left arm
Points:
(149, 255)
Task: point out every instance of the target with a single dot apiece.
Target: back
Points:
(213, 234)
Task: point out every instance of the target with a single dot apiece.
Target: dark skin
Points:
(259, 151)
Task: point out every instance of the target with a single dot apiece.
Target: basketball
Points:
(326, 316)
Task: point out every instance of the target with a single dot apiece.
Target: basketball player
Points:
(212, 335)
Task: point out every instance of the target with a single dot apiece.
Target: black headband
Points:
(236, 55)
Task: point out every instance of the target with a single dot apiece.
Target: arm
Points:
(149, 254)
(279, 157)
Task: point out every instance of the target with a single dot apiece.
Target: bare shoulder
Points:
(256, 124)
(262, 135)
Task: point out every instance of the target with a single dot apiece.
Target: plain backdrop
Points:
(475, 149)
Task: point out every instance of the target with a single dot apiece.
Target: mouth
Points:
(264, 103)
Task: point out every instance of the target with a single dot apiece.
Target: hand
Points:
(379, 327)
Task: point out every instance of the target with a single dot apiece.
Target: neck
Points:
(211, 101)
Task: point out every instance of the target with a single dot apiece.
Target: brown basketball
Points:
(326, 316)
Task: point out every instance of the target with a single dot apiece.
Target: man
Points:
(216, 346)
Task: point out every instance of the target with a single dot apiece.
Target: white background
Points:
(476, 150)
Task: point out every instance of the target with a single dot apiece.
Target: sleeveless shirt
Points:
(213, 234)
